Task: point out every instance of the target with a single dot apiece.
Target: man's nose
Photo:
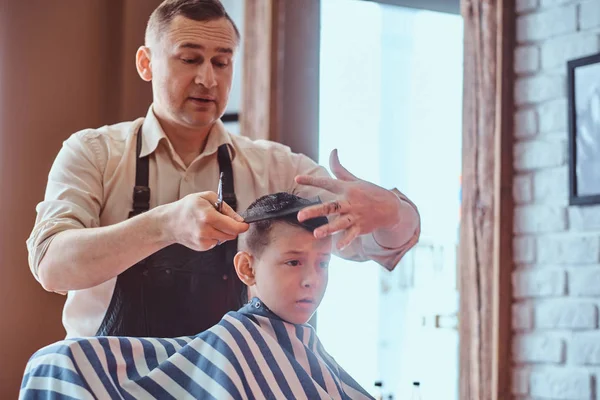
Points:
(206, 76)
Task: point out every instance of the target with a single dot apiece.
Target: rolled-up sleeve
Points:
(364, 247)
(73, 197)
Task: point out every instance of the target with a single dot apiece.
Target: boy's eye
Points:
(293, 263)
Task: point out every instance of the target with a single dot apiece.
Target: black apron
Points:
(176, 291)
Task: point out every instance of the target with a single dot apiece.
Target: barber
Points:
(128, 227)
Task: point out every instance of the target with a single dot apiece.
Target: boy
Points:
(264, 350)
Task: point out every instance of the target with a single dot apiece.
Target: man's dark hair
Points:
(258, 235)
(197, 10)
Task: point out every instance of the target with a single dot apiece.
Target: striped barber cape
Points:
(249, 354)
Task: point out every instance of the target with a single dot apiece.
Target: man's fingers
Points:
(227, 210)
(210, 233)
(322, 210)
(340, 223)
(211, 197)
(226, 222)
(330, 184)
(338, 169)
(350, 234)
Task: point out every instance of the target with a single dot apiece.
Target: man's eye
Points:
(220, 64)
(325, 264)
(189, 60)
(293, 263)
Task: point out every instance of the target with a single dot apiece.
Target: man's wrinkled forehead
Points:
(216, 35)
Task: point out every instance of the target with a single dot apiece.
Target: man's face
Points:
(192, 71)
(291, 273)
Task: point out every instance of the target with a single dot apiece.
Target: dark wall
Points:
(65, 65)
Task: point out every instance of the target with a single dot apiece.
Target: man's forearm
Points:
(401, 232)
(83, 258)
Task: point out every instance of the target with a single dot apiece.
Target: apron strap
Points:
(141, 190)
(225, 167)
(238, 288)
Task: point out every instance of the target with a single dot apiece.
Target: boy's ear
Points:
(243, 267)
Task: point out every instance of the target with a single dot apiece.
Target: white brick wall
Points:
(547, 23)
(556, 247)
(537, 348)
(552, 116)
(561, 384)
(526, 123)
(589, 15)
(536, 154)
(539, 282)
(538, 88)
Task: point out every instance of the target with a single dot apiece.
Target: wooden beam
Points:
(263, 60)
(504, 206)
(281, 73)
(485, 254)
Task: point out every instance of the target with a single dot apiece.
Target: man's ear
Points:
(243, 267)
(143, 63)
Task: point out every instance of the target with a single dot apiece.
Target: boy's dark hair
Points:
(197, 10)
(258, 235)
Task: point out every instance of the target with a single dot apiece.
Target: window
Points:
(231, 118)
(391, 103)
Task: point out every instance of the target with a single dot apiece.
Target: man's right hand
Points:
(82, 258)
(194, 222)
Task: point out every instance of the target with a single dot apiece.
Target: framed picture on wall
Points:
(583, 76)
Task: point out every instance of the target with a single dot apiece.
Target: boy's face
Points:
(290, 275)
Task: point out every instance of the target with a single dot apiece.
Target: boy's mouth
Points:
(306, 301)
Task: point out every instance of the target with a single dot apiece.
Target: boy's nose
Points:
(309, 278)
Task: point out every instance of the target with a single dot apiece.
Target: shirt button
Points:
(225, 277)
(168, 271)
(145, 272)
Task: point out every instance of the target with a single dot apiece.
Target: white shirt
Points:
(91, 181)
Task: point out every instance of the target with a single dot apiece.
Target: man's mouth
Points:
(203, 99)
(306, 301)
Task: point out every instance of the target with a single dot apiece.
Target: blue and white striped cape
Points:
(249, 354)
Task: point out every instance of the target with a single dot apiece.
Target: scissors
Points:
(219, 203)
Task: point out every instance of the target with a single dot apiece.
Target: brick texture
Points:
(537, 154)
(561, 384)
(567, 249)
(522, 316)
(527, 59)
(539, 283)
(526, 5)
(584, 348)
(536, 348)
(589, 15)
(526, 123)
(556, 246)
(546, 24)
(562, 314)
(555, 52)
(584, 282)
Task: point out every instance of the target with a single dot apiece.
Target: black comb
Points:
(277, 209)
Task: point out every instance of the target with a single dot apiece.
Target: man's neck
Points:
(187, 143)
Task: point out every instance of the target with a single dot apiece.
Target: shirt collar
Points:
(154, 134)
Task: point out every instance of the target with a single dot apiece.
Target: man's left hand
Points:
(360, 207)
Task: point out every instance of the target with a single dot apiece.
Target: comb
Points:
(278, 211)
